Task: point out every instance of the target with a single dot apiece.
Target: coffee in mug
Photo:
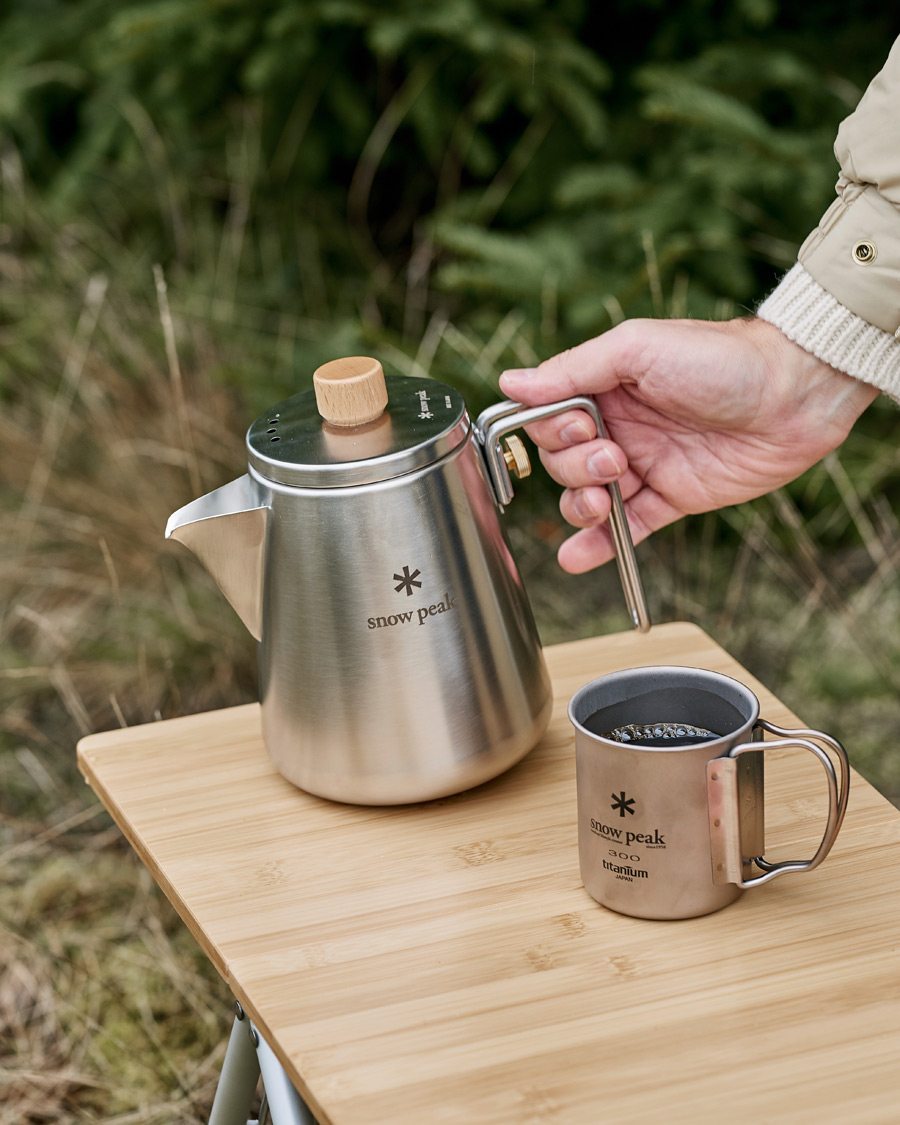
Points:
(669, 770)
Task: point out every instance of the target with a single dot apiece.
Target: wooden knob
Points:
(350, 391)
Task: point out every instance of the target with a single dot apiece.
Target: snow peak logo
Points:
(420, 615)
(424, 405)
(615, 835)
(622, 804)
(406, 581)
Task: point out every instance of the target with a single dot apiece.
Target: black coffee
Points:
(659, 734)
(655, 718)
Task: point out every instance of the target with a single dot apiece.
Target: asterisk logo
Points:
(407, 581)
(622, 804)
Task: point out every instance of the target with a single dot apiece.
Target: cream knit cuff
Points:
(809, 315)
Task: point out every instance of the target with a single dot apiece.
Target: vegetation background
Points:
(204, 199)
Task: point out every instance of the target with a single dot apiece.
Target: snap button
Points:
(865, 252)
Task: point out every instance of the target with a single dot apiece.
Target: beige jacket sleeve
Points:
(841, 301)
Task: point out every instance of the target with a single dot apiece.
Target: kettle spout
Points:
(226, 530)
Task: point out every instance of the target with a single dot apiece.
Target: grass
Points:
(108, 1011)
(118, 407)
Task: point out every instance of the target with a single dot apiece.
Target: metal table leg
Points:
(246, 1056)
(285, 1104)
(239, 1077)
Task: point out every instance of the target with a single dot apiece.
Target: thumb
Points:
(590, 368)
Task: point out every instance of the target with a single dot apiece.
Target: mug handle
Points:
(504, 417)
(724, 806)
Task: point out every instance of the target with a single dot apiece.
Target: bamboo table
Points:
(442, 962)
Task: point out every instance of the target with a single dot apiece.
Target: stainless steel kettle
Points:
(398, 656)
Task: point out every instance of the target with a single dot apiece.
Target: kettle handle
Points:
(504, 417)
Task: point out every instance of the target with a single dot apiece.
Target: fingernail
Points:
(575, 433)
(583, 507)
(602, 465)
(517, 373)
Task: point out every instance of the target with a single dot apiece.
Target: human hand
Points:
(700, 415)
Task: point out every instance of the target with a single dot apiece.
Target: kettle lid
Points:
(416, 421)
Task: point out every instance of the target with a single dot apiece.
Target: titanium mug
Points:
(669, 775)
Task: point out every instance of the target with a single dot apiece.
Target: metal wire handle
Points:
(724, 805)
(501, 419)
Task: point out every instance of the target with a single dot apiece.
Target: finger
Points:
(596, 366)
(593, 546)
(585, 507)
(586, 465)
(562, 430)
(586, 549)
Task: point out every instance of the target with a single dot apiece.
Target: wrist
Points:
(824, 395)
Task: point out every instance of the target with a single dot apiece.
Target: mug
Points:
(669, 775)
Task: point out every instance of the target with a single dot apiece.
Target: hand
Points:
(700, 415)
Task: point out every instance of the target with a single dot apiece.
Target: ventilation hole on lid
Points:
(272, 421)
(271, 431)
(275, 439)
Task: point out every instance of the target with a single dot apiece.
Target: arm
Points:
(703, 415)
(842, 300)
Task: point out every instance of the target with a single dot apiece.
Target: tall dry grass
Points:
(115, 412)
(108, 1012)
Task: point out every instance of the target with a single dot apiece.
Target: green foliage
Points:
(457, 187)
(575, 163)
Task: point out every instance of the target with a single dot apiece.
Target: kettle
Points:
(398, 656)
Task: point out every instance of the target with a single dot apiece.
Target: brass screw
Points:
(516, 457)
(865, 252)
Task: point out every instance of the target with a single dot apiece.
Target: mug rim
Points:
(688, 672)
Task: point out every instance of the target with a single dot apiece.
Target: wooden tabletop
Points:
(443, 963)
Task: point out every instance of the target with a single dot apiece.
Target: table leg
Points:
(285, 1104)
(246, 1056)
(239, 1077)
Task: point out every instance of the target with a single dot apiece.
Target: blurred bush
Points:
(379, 171)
